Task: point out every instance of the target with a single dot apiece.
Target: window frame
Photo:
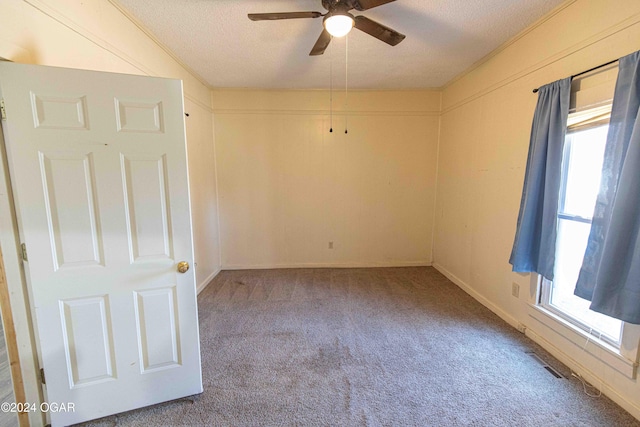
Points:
(546, 286)
(623, 359)
(545, 302)
(593, 91)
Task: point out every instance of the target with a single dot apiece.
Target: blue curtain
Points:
(610, 273)
(534, 247)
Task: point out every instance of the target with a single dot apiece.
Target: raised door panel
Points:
(88, 339)
(135, 116)
(147, 207)
(157, 326)
(72, 215)
(59, 112)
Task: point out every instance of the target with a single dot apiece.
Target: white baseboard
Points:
(328, 265)
(574, 365)
(586, 374)
(478, 297)
(203, 284)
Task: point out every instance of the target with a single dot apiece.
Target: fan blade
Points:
(283, 15)
(321, 44)
(379, 31)
(369, 4)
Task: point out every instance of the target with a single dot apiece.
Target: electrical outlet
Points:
(515, 290)
(330, 245)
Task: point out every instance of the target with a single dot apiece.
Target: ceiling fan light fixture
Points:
(339, 25)
(338, 22)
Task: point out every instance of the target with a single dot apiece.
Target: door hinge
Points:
(3, 110)
(24, 252)
(42, 379)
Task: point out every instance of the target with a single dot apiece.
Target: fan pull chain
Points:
(331, 88)
(346, 85)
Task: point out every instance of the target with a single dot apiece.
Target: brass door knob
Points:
(183, 266)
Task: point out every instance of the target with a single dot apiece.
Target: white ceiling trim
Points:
(65, 20)
(601, 36)
(511, 41)
(161, 45)
(57, 15)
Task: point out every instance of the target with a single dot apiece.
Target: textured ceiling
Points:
(444, 37)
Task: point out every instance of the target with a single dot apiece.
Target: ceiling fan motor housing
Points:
(339, 9)
(330, 5)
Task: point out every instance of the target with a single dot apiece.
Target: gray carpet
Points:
(367, 347)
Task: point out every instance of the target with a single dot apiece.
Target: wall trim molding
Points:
(326, 112)
(161, 45)
(576, 48)
(204, 283)
(216, 183)
(383, 264)
(217, 89)
(509, 42)
(199, 103)
(436, 186)
(61, 18)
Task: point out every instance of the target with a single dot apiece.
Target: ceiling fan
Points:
(338, 21)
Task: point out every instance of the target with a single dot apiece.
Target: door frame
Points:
(11, 344)
(26, 374)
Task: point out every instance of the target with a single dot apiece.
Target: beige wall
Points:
(288, 187)
(486, 120)
(95, 35)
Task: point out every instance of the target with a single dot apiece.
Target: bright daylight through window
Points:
(581, 164)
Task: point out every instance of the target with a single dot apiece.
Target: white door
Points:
(99, 173)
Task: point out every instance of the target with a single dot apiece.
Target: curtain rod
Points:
(587, 71)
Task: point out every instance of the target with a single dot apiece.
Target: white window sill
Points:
(590, 344)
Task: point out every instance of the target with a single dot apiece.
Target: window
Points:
(582, 165)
